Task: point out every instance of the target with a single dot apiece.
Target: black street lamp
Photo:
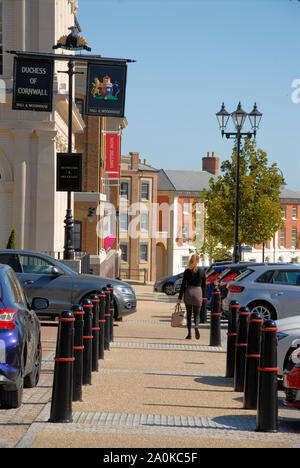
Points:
(70, 42)
(238, 116)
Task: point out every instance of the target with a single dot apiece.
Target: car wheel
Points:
(169, 289)
(31, 380)
(11, 398)
(264, 309)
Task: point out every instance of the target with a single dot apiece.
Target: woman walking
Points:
(193, 288)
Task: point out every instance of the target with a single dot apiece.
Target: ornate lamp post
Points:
(238, 116)
(70, 42)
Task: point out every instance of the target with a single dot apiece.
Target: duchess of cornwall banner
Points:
(106, 90)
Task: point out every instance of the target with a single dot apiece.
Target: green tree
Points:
(12, 241)
(259, 207)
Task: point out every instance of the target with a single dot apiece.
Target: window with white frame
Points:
(123, 221)
(145, 190)
(184, 261)
(294, 238)
(283, 212)
(144, 252)
(282, 238)
(186, 206)
(295, 212)
(144, 221)
(185, 233)
(124, 195)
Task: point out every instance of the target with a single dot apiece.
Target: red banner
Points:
(113, 155)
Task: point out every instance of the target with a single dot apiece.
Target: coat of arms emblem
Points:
(105, 89)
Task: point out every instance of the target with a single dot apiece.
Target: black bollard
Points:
(101, 296)
(87, 342)
(203, 311)
(95, 332)
(61, 405)
(215, 319)
(234, 307)
(241, 347)
(267, 398)
(107, 319)
(78, 352)
(112, 313)
(252, 361)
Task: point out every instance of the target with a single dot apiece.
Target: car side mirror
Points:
(39, 303)
(55, 271)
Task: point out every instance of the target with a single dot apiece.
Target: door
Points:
(40, 280)
(286, 292)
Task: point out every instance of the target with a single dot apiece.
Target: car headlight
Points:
(125, 290)
(281, 335)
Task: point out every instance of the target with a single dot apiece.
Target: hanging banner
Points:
(105, 95)
(112, 155)
(33, 84)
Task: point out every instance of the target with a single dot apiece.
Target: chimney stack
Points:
(211, 163)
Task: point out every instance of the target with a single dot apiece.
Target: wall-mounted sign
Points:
(69, 172)
(106, 85)
(33, 84)
(112, 155)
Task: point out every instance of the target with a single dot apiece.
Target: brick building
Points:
(137, 218)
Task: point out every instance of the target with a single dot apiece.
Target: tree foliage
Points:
(12, 241)
(259, 207)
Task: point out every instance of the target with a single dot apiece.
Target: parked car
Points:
(230, 273)
(271, 289)
(212, 274)
(288, 338)
(167, 284)
(20, 341)
(42, 275)
(291, 380)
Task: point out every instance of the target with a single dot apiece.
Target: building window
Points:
(144, 221)
(77, 235)
(184, 261)
(123, 221)
(145, 190)
(144, 252)
(282, 238)
(80, 106)
(186, 206)
(294, 212)
(283, 212)
(185, 233)
(124, 190)
(124, 252)
(294, 238)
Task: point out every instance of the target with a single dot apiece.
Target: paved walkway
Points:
(154, 389)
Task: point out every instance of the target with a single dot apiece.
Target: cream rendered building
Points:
(30, 140)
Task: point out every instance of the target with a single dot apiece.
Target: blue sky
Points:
(191, 55)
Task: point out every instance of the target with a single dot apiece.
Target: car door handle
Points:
(278, 293)
(28, 282)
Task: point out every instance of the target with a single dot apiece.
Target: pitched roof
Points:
(183, 181)
(288, 194)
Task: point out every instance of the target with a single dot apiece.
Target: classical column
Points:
(22, 186)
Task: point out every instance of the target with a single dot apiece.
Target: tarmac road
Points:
(154, 389)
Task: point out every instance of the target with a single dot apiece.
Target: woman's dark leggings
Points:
(190, 309)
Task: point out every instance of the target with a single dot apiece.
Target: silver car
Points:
(288, 336)
(42, 275)
(271, 289)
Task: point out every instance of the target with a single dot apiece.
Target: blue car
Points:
(167, 284)
(20, 341)
(212, 274)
